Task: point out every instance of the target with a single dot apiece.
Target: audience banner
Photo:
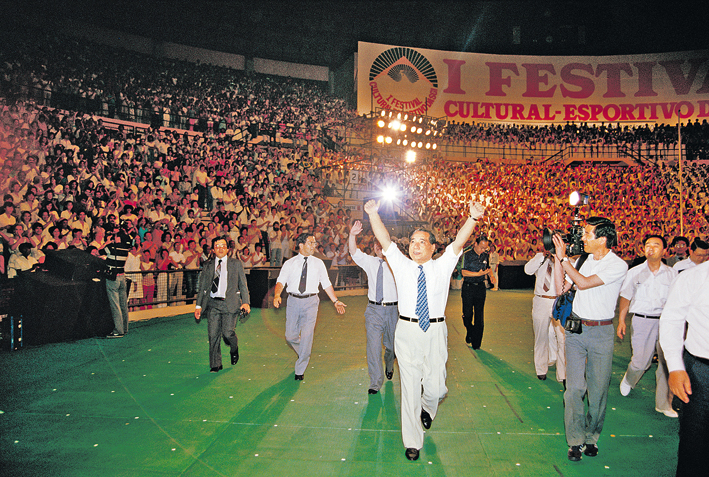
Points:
(474, 87)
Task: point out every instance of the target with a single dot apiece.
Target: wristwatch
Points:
(565, 259)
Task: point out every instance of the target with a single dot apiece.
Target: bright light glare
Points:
(403, 127)
(380, 139)
(380, 123)
(388, 140)
(574, 198)
(395, 125)
(389, 194)
(410, 156)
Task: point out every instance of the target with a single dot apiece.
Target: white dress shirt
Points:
(688, 302)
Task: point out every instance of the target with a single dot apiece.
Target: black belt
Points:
(385, 303)
(645, 316)
(302, 296)
(415, 320)
(473, 283)
(217, 298)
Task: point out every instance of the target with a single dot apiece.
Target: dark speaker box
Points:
(73, 264)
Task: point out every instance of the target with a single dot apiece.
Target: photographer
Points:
(589, 351)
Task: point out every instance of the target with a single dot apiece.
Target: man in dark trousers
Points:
(222, 292)
(476, 268)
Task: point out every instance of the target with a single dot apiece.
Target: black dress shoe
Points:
(390, 374)
(412, 454)
(372, 391)
(426, 420)
(235, 356)
(299, 377)
(468, 339)
(542, 377)
(215, 370)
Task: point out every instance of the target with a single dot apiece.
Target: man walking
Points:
(688, 362)
(301, 276)
(643, 294)
(542, 267)
(421, 338)
(222, 292)
(476, 269)
(589, 354)
(381, 314)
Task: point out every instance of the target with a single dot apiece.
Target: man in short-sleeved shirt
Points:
(301, 280)
(421, 337)
(589, 354)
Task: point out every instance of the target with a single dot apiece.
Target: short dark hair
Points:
(302, 238)
(604, 228)
(431, 235)
(699, 243)
(678, 239)
(221, 237)
(648, 237)
(482, 238)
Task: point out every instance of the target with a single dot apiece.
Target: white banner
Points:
(473, 87)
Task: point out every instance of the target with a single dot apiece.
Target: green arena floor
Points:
(147, 405)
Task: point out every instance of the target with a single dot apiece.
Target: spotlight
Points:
(428, 132)
(420, 144)
(406, 116)
(381, 123)
(406, 142)
(419, 131)
(428, 145)
(398, 116)
(413, 129)
(577, 197)
(388, 140)
(384, 113)
(389, 193)
(395, 124)
(410, 156)
(398, 142)
(403, 127)
(380, 139)
(435, 146)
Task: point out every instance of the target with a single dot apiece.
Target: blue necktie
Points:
(380, 282)
(422, 301)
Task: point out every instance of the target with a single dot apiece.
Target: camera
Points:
(574, 245)
(572, 239)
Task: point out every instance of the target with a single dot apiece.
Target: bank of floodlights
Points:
(408, 130)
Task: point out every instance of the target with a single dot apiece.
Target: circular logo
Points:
(403, 79)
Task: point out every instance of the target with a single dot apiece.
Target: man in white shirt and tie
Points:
(301, 276)
(421, 337)
(222, 291)
(549, 335)
(381, 314)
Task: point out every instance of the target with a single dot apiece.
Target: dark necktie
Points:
(380, 282)
(547, 278)
(303, 276)
(217, 273)
(422, 301)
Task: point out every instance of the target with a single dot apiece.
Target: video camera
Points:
(572, 239)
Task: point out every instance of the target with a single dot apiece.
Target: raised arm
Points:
(378, 227)
(476, 211)
(354, 231)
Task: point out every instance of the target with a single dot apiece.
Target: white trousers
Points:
(549, 339)
(422, 360)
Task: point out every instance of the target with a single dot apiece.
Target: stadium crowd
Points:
(68, 180)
